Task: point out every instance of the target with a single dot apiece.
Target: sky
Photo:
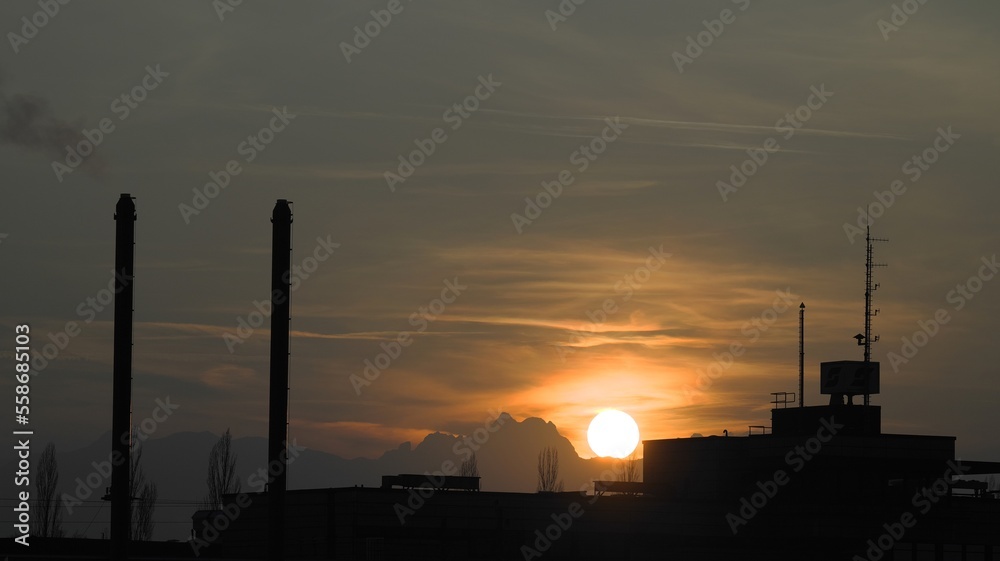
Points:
(559, 208)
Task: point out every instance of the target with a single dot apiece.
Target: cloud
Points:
(228, 376)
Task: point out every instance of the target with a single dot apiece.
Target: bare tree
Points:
(628, 468)
(548, 470)
(48, 521)
(470, 467)
(143, 499)
(222, 478)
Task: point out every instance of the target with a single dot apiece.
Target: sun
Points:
(613, 433)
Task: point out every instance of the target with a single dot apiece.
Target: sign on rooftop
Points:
(849, 377)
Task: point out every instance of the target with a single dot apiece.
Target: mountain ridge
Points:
(506, 451)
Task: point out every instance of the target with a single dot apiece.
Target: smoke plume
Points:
(27, 121)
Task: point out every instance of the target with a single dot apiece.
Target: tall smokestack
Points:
(121, 414)
(281, 261)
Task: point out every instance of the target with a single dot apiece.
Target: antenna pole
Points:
(868, 299)
(870, 288)
(802, 352)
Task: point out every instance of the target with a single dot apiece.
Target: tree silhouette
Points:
(470, 467)
(222, 478)
(548, 470)
(143, 499)
(48, 520)
(628, 469)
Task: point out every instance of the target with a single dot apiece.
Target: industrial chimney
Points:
(121, 414)
(281, 260)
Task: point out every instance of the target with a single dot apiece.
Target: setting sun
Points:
(613, 433)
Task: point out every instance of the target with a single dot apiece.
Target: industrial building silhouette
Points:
(825, 483)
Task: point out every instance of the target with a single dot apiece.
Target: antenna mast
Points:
(870, 288)
(802, 352)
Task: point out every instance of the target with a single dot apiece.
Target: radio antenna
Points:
(870, 287)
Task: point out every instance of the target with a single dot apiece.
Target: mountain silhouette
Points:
(178, 464)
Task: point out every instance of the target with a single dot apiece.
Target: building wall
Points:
(845, 467)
